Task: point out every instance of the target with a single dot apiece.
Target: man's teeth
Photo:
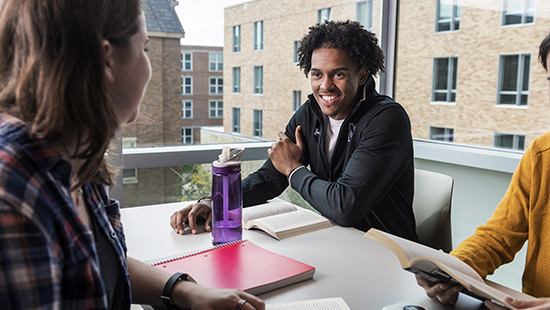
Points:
(328, 98)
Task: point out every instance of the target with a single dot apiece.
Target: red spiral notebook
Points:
(238, 265)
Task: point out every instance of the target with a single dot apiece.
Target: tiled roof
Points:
(161, 16)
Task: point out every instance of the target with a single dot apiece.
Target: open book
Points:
(334, 303)
(282, 219)
(438, 266)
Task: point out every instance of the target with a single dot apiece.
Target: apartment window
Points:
(324, 14)
(259, 36)
(518, 12)
(509, 141)
(186, 61)
(187, 85)
(216, 61)
(442, 134)
(216, 85)
(236, 39)
(187, 109)
(129, 176)
(257, 123)
(258, 80)
(513, 77)
(216, 109)
(444, 79)
(237, 120)
(447, 15)
(296, 100)
(236, 80)
(296, 46)
(186, 135)
(363, 14)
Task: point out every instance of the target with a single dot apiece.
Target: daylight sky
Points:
(202, 20)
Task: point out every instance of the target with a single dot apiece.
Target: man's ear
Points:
(109, 60)
(363, 75)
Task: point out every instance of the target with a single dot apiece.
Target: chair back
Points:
(432, 209)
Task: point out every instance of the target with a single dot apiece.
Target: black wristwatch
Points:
(167, 291)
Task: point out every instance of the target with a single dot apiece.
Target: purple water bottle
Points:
(227, 202)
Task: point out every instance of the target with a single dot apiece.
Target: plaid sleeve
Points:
(29, 274)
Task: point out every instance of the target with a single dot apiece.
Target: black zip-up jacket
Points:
(369, 182)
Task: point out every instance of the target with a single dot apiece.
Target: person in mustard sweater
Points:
(523, 214)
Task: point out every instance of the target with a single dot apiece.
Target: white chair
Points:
(432, 209)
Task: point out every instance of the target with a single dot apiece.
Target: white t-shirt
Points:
(333, 129)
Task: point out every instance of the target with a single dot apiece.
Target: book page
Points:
(267, 209)
(291, 220)
(413, 250)
(336, 303)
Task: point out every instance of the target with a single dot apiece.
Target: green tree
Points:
(195, 182)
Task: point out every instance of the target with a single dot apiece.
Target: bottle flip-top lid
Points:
(229, 158)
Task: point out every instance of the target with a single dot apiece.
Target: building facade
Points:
(466, 71)
(201, 90)
(159, 122)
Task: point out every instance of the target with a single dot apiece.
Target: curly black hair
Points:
(543, 51)
(349, 36)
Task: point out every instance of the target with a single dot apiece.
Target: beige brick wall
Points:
(478, 46)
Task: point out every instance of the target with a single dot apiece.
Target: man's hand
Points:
(441, 291)
(285, 155)
(189, 215)
(538, 304)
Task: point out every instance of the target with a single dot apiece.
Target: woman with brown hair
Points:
(71, 72)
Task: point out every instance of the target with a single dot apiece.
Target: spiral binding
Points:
(175, 257)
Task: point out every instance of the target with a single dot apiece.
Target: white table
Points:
(366, 274)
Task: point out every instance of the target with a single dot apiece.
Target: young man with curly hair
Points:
(356, 142)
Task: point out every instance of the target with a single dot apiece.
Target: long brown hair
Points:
(52, 71)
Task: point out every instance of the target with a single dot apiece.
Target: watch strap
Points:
(166, 296)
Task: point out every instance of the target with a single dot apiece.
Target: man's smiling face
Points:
(335, 81)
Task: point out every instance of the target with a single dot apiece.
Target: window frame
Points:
(185, 61)
(452, 75)
(455, 17)
(519, 92)
(218, 86)
(236, 120)
(184, 86)
(296, 100)
(448, 134)
(236, 80)
(295, 55)
(258, 80)
(185, 109)
(184, 135)
(259, 35)
(320, 15)
(368, 14)
(515, 142)
(236, 39)
(257, 123)
(524, 14)
(217, 109)
(217, 62)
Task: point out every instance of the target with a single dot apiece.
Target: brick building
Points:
(466, 71)
(160, 121)
(201, 90)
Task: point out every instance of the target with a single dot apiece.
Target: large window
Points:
(236, 38)
(187, 109)
(258, 80)
(187, 136)
(447, 15)
(186, 61)
(444, 79)
(236, 80)
(259, 36)
(216, 61)
(257, 123)
(442, 134)
(216, 85)
(363, 14)
(513, 83)
(216, 109)
(509, 141)
(236, 120)
(187, 85)
(518, 12)
(296, 100)
(324, 14)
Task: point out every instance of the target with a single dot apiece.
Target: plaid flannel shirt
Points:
(48, 258)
